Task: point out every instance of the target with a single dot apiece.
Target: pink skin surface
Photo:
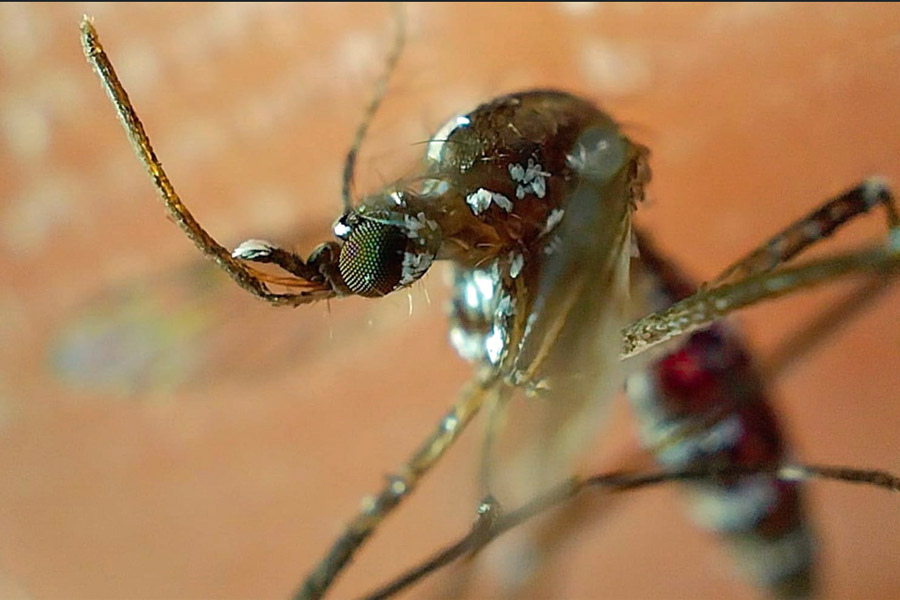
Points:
(233, 483)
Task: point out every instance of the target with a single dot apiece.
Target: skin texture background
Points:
(164, 435)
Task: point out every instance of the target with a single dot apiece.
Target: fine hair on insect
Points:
(543, 280)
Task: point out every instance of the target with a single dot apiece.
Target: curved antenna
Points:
(380, 91)
(140, 143)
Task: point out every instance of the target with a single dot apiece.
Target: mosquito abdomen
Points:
(705, 405)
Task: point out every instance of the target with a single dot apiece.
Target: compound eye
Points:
(371, 261)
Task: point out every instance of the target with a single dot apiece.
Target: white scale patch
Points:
(481, 199)
(719, 438)
(873, 189)
(253, 250)
(479, 291)
(495, 343)
(470, 346)
(417, 223)
(774, 560)
(516, 263)
(435, 150)
(341, 230)
(734, 509)
(414, 266)
(414, 224)
(505, 307)
(531, 179)
(552, 246)
(812, 230)
(397, 198)
(553, 219)
(482, 302)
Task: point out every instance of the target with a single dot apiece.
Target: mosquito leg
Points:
(708, 305)
(318, 268)
(496, 417)
(811, 334)
(752, 279)
(815, 226)
(377, 96)
(98, 59)
(399, 486)
(618, 482)
(786, 354)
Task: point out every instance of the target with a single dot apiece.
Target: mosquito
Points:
(530, 197)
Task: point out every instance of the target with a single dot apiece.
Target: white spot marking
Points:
(253, 250)
(450, 423)
(552, 245)
(414, 266)
(517, 261)
(472, 300)
(505, 307)
(436, 144)
(368, 504)
(398, 486)
(495, 343)
(414, 224)
(486, 284)
(812, 230)
(553, 219)
(397, 198)
(780, 558)
(481, 199)
(435, 187)
(793, 473)
(503, 202)
(531, 179)
(469, 346)
(722, 436)
(874, 188)
(736, 508)
(341, 230)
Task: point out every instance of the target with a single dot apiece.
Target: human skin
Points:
(233, 486)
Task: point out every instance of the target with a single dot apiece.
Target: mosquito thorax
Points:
(526, 189)
(512, 163)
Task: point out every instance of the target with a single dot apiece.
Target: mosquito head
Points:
(384, 250)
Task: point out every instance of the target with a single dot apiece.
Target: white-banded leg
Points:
(756, 277)
(487, 529)
(399, 485)
(812, 228)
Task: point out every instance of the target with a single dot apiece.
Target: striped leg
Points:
(815, 226)
(398, 487)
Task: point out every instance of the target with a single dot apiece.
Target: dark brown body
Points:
(536, 191)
